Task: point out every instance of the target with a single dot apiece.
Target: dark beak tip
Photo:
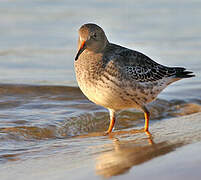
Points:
(83, 47)
(77, 55)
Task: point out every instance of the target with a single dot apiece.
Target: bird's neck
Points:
(89, 63)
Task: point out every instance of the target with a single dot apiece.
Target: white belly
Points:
(106, 98)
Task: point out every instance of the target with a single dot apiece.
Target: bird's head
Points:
(92, 38)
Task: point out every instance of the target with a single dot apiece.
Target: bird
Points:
(117, 77)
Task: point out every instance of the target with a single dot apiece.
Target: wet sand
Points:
(172, 151)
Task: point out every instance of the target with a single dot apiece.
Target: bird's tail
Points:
(182, 73)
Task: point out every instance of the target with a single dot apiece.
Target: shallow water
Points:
(130, 153)
(35, 117)
(43, 113)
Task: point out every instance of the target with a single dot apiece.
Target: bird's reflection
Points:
(128, 153)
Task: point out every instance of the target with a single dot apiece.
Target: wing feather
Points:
(141, 68)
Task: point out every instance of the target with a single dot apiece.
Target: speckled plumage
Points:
(116, 77)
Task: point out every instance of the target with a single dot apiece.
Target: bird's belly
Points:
(108, 97)
(116, 97)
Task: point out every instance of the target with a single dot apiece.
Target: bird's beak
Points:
(82, 48)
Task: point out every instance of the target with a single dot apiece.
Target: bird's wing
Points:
(140, 67)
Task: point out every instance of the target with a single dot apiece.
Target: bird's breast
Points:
(102, 87)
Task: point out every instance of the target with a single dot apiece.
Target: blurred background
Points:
(38, 39)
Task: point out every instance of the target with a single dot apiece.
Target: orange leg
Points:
(146, 116)
(112, 121)
(150, 138)
(146, 125)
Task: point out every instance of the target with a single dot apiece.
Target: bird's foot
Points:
(150, 138)
(147, 132)
(106, 133)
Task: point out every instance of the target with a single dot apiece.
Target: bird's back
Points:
(141, 68)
